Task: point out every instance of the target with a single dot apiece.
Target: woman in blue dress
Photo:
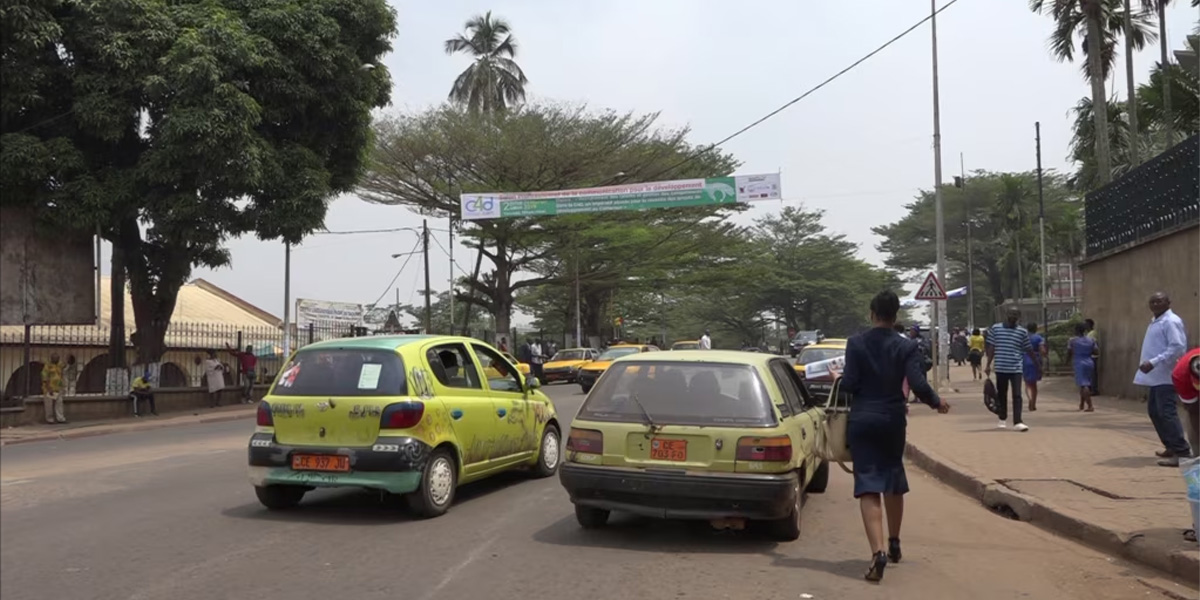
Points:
(1080, 351)
(877, 363)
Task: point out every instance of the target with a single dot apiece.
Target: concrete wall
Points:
(88, 408)
(46, 275)
(1118, 288)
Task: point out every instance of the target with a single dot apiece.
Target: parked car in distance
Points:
(565, 364)
(686, 345)
(713, 435)
(805, 338)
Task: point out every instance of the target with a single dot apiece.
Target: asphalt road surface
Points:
(168, 513)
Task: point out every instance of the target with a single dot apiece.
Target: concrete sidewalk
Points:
(80, 429)
(1089, 476)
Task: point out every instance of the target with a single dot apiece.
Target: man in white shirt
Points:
(1164, 344)
(705, 341)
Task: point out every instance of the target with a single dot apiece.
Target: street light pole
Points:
(450, 251)
(287, 299)
(939, 306)
(1037, 136)
(425, 251)
(962, 171)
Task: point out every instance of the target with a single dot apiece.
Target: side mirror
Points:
(532, 382)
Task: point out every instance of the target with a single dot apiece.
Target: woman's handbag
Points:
(832, 443)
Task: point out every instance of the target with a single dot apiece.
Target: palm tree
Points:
(1160, 7)
(494, 81)
(1101, 20)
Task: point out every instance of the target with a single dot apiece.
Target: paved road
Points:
(168, 513)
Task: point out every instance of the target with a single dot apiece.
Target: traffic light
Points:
(958, 182)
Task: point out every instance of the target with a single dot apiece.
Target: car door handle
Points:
(456, 414)
(501, 412)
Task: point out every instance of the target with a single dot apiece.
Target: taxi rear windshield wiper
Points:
(649, 421)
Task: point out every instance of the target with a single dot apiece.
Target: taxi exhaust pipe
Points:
(730, 523)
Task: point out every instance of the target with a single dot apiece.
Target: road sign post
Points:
(934, 291)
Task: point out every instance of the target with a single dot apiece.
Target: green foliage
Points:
(173, 126)
(1002, 210)
(1070, 23)
(494, 81)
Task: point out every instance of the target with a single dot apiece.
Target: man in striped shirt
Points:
(1007, 343)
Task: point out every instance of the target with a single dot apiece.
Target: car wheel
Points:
(550, 453)
(591, 518)
(279, 497)
(820, 479)
(586, 387)
(787, 529)
(438, 481)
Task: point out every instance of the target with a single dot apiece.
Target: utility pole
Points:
(450, 251)
(962, 170)
(939, 306)
(425, 251)
(1037, 137)
(287, 300)
(578, 317)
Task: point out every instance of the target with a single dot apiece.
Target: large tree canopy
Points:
(424, 161)
(171, 126)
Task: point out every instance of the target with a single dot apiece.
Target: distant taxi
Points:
(827, 349)
(686, 345)
(522, 367)
(411, 415)
(565, 364)
(589, 373)
(711, 435)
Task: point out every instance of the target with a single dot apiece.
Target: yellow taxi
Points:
(589, 373)
(825, 350)
(686, 345)
(565, 364)
(721, 436)
(522, 367)
(410, 415)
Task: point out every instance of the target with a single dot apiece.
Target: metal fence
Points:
(1157, 196)
(83, 350)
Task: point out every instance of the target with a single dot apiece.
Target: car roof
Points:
(836, 344)
(736, 357)
(687, 342)
(572, 349)
(385, 342)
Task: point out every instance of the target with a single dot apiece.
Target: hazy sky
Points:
(859, 148)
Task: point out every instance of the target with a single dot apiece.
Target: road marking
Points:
(14, 481)
(471, 556)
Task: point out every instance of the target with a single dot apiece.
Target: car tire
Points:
(279, 497)
(787, 529)
(591, 518)
(820, 479)
(549, 452)
(439, 479)
(585, 387)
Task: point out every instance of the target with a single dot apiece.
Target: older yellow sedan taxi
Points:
(713, 435)
(589, 373)
(411, 415)
(565, 364)
(825, 350)
(686, 345)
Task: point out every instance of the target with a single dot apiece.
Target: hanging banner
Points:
(324, 313)
(634, 196)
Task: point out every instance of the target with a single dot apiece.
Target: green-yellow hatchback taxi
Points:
(712, 435)
(411, 415)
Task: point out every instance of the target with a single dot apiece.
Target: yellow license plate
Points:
(675, 450)
(320, 462)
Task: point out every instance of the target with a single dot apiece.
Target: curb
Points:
(72, 434)
(992, 495)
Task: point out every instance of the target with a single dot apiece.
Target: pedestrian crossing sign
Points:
(931, 290)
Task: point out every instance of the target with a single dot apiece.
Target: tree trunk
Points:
(1020, 269)
(154, 283)
(116, 322)
(1092, 13)
(466, 327)
(1168, 118)
(1132, 91)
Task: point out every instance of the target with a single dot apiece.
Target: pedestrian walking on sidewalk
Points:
(975, 345)
(214, 376)
(1091, 333)
(1007, 344)
(705, 341)
(247, 362)
(1031, 366)
(52, 390)
(1164, 344)
(877, 364)
(1080, 352)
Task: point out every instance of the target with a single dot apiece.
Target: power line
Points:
(359, 231)
(788, 104)
(393, 281)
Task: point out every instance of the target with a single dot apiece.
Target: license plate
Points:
(320, 462)
(674, 450)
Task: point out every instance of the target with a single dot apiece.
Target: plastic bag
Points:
(1190, 469)
(989, 396)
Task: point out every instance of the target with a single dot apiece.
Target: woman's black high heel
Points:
(878, 563)
(894, 550)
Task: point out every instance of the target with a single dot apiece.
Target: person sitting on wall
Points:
(141, 392)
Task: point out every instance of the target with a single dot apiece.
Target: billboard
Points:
(633, 196)
(325, 313)
(46, 277)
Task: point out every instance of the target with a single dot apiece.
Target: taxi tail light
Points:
(263, 417)
(402, 415)
(769, 449)
(588, 441)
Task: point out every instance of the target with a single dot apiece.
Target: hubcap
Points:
(441, 480)
(550, 449)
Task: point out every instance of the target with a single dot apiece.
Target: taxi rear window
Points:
(812, 355)
(342, 372)
(681, 393)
